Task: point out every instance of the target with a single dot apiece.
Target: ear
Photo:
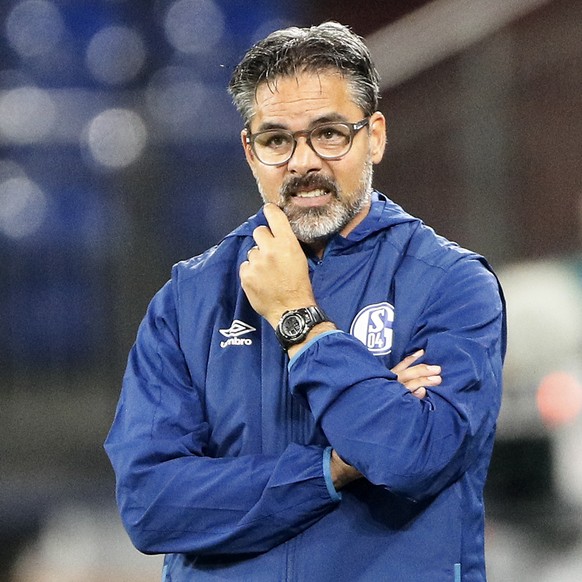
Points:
(377, 137)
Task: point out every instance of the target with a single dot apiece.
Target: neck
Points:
(317, 248)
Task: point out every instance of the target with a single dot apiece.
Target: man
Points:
(278, 420)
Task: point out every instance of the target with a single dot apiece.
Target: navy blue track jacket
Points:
(221, 446)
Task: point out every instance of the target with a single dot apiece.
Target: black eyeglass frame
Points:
(354, 128)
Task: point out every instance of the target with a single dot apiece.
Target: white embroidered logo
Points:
(373, 327)
(233, 333)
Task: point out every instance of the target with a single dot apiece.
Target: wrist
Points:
(297, 326)
(341, 472)
(275, 315)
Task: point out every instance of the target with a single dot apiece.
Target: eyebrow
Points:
(330, 118)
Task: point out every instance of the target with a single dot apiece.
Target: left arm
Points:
(413, 447)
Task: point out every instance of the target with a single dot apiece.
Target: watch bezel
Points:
(306, 318)
(293, 325)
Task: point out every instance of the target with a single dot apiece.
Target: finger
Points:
(250, 252)
(262, 235)
(407, 361)
(278, 222)
(422, 381)
(418, 371)
(242, 270)
(420, 392)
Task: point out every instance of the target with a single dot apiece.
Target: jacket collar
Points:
(383, 214)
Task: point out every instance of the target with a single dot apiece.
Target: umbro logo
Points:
(233, 333)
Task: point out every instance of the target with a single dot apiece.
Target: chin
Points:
(317, 226)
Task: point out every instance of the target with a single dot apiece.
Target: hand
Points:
(341, 472)
(417, 378)
(275, 276)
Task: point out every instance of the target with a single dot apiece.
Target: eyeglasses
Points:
(330, 141)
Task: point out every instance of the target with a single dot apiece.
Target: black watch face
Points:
(292, 326)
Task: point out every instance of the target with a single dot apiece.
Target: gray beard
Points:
(318, 224)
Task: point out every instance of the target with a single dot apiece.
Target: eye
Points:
(331, 134)
(273, 140)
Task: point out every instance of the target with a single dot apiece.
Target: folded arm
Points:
(413, 447)
(172, 496)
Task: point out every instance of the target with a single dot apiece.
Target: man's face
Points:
(320, 197)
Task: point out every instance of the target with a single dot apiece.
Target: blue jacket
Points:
(220, 445)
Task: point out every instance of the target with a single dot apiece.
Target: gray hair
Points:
(291, 51)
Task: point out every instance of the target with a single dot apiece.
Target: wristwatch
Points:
(295, 324)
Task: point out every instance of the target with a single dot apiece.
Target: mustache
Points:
(308, 182)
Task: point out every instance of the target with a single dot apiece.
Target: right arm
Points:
(172, 497)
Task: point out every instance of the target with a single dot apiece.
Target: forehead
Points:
(302, 98)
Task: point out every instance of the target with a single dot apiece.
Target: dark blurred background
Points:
(120, 155)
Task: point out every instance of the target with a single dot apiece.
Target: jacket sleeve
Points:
(415, 448)
(172, 497)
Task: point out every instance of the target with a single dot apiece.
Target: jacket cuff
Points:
(335, 495)
(310, 343)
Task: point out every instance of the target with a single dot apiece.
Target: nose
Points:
(304, 159)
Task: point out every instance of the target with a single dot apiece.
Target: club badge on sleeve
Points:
(373, 327)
